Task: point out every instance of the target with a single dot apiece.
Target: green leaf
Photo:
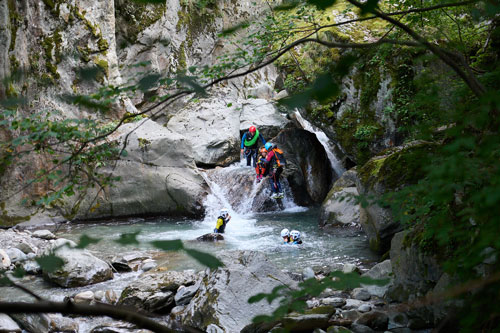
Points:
(19, 272)
(128, 238)
(50, 263)
(4, 281)
(322, 4)
(369, 6)
(190, 81)
(148, 82)
(229, 105)
(263, 319)
(233, 29)
(168, 245)
(86, 241)
(155, 2)
(205, 258)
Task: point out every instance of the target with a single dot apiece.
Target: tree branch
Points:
(115, 312)
(476, 87)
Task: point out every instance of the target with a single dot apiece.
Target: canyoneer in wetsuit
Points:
(222, 221)
(275, 163)
(261, 168)
(250, 145)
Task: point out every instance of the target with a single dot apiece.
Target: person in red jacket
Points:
(275, 163)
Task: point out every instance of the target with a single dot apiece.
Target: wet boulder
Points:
(157, 176)
(211, 237)
(340, 207)
(223, 296)
(80, 267)
(155, 291)
(7, 324)
(375, 320)
(308, 170)
(129, 262)
(35, 323)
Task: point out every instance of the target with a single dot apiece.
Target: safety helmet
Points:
(285, 233)
(268, 146)
(295, 234)
(224, 213)
(252, 129)
(263, 150)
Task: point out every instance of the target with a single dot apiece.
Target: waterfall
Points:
(235, 188)
(325, 141)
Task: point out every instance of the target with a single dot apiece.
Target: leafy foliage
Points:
(291, 300)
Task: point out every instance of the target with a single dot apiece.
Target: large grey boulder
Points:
(213, 127)
(155, 291)
(308, 171)
(415, 273)
(340, 207)
(80, 268)
(262, 114)
(158, 176)
(223, 294)
(380, 271)
(395, 169)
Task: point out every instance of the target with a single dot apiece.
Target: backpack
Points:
(279, 157)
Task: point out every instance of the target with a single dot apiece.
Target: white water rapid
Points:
(325, 141)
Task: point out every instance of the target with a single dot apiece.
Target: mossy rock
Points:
(397, 167)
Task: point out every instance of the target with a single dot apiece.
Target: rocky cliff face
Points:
(53, 40)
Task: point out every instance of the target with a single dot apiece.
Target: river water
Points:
(245, 231)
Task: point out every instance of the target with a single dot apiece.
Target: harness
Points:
(253, 140)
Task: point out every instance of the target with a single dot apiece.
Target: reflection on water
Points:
(258, 232)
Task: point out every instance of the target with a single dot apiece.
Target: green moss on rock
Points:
(138, 17)
(397, 167)
(7, 220)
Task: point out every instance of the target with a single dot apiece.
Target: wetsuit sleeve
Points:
(262, 139)
(219, 224)
(243, 140)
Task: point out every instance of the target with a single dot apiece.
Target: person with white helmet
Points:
(222, 221)
(285, 234)
(295, 237)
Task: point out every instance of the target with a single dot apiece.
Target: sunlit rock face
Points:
(126, 40)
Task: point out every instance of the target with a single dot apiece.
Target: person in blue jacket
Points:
(250, 145)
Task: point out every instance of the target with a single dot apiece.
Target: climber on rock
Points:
(275, 162)
(261, 169)
(250, 144)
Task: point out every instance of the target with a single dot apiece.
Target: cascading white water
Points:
(325, 142)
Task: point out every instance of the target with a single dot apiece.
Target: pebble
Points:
(333, 301)
(364, 308)
(84, 297)
(44, 234)
(361, 293)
